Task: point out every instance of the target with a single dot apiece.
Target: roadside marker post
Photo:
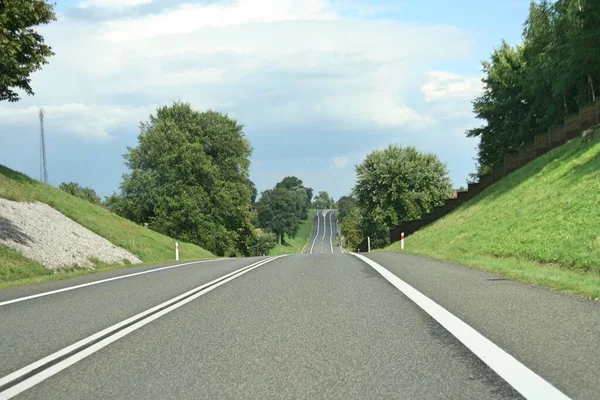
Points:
(176, 251)
(368, 244)
(402, 240)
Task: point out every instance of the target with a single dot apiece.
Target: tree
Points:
(292, 182)
(84, 193)
(323, 201)
(189, 179)
(535, 85)
(397, 184)
(260, 243)
(504, 106)
(22, 49)
(350, 228)
(344, 205)
(278, 212)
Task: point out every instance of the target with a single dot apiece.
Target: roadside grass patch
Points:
(540, 224)
(14, 266)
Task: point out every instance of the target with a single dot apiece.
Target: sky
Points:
(317, 84)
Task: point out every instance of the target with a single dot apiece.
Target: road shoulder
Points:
(537, 326)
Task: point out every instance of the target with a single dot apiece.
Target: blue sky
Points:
(317, 84)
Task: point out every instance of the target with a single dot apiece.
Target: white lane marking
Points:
(524, 380)
(67, 362)
(103, 281)
(316, 234)
(324, 229)
(331, 229)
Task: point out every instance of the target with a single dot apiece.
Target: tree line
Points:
(188, 178)
(532, 86)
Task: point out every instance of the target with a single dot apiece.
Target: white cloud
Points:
(79, 120)
(340, 162)
(381, 109)
(190, 17)
(113, 4)
(446, 86)
(274, 64)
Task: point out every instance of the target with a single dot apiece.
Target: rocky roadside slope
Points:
(43, 234)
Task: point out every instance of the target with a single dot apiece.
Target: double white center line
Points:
(316, 234)
(32, 374)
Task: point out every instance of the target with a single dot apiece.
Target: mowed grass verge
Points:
(150, 246)
(295, 245)
(540, 224)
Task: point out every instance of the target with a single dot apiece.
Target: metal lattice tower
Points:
(43, 166)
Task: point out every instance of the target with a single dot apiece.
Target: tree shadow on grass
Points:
(11, 233)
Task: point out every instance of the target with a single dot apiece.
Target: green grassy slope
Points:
(541, 224)
(148, 245)
(295, 245)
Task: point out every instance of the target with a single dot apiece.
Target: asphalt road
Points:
(324, 237)
(306, 326)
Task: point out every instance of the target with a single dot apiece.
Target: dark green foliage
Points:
(84, 193)
(323, 201)
(351, 228)
(22, 49)
(533, 86)
(291, 183)
(189, 178)
(278, 212)
(344, 205)
(397, 184)
(281, 209)
(260, 243)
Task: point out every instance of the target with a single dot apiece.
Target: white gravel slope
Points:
(41, 233)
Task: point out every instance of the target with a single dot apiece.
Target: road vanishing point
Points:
(320, 325)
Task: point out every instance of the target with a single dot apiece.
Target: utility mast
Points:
(43, 166)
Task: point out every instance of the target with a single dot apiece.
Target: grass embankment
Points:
(295, 245)
(150, 246)
(540, 225)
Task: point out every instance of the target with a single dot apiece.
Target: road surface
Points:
(321, 325)
(324, 238)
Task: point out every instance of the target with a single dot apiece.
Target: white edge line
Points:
(33, 296)
(316, 234)
(524, 380)
(28, 368)
(331, 229)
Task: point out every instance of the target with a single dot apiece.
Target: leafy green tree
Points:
(323, 201)
(84, 193)
(504, 106)
(253, 191)
(278, 212)
(351, 228)
(260, 243)
(309, 196)
(344, 205)
(533, 86)
(397, 184)
(22, 49)
(188, 178)
(291, 183)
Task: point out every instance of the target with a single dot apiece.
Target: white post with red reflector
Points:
(402, 240)
(176, 251)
